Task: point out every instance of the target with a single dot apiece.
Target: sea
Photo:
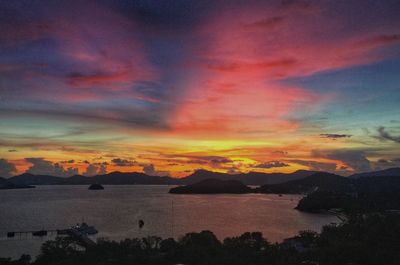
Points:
(116, 211)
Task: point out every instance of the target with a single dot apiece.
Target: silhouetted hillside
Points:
(114, 178)
(377, 184)
(129, 178)
(78, 180)
(251, 178)
(30, 179)
(3, 181)
(133, 178)
(390, 172)
(213, 186)
(271, 181)
(5, 184)
(320, 181)
(203, 174)
(364, 194)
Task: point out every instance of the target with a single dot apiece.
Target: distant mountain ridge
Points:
(5, 184)
(130, 178)
(251, 178)
(390, 172)
(381, 181)
(321, 181)
(213, 186)
(30, 179)
(114, 178)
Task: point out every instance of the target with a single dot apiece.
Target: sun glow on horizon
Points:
(229, 87)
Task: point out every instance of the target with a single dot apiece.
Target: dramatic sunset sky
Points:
(168, 87)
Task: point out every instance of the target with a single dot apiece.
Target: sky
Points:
(168, 87)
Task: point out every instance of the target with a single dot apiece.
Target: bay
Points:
(115, 212)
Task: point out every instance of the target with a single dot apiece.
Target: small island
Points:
(96, 187)
(213, 186)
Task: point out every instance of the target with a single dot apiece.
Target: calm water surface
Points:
(116, 210)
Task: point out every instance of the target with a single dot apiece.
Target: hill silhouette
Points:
(31, 179)
(362, 194)
(130, 178)
(213, 186)
(113, 178)
(5, 184)
(390, 172)
(269, 181)
(251, 178)
(320, 181)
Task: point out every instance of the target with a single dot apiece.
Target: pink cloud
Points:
(100, 48)
(245, 54)
(82, 80)
(100, 52)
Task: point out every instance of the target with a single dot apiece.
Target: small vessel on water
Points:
(84, 228)
(141, 223)
(10, 234)
(96, 187)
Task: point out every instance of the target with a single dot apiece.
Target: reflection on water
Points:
(116, 210)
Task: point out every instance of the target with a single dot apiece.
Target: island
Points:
(364, 194)
(96, 187)
(213, 186)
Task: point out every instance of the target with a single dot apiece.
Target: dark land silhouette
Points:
(6, 184)
(212, 186)
(96, 187)
(251, 178)
(320, 181)
(390, 172)
(114, 178)
(131, 178)
(322, 191)
(366, 194)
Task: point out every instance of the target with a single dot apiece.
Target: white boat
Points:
(84, 228)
